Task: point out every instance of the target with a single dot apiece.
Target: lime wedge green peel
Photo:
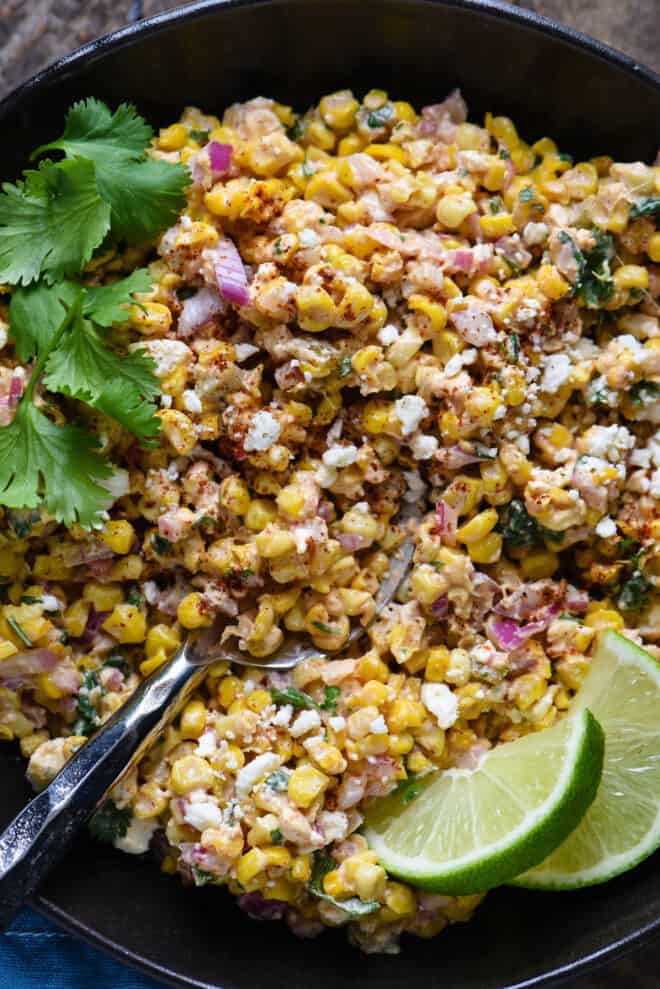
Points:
(622, 827)
(470, 830)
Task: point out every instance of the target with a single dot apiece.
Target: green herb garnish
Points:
(160, 544)
(325, 863)
(330, 697)
(644, 393)
(278, 781)
(381, 117)
(276, 836)
(647, 207)
(345, 366)
(634, 593)
(19, 632)
(293, 696)
(526, 195)
(201, 136)
(322, 627)
(201, 877)
(110, 822)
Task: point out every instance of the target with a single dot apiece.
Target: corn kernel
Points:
(453, 209)
(193, 719)
(118, 535)
(190, 773)
(191, 612)
(653, 248)
(126, 623)
(631, 276)
(537, 566)
(603, 618)
(478, 527)
(498, 225)
(486, 550)
(306, 784)
(234, 495)
(172, 138)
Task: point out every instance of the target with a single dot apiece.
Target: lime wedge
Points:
(622, 826)
(470, 830)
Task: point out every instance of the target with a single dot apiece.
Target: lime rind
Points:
(623, 687)
(577, 742)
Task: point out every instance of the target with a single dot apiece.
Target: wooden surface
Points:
(35, 32)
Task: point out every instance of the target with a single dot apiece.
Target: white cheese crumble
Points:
(50, 603)
(207, 744)
(612, 442)
(191, 402)
(308, 238)
(334, 825)
(326, 476)
(306, 721)
(441, 702)
(640, 458)
(453, 366)
(340, 456)
(151, 591)
(168, 354)
(248, 777)
(137, 838)
(423, 446)
(535, 233)
(606, 527)
(337, 723)
(654, 487)
(388, 334)
(283, 716)
(557, 370)
(263, 432)
(202, 815)
(416, 486)
(410, 410)
(378, 726)
(245, 350)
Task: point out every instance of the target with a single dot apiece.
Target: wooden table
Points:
(34, 32)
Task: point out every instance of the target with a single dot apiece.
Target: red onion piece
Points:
(508, 635)
(199, 311)
(29, 663)
(66, 678)
(447, 517)
(462, 260)
(455, 457)
(474, 324)
(220, 158)
(16, 388)
(255, 906)
(352, 541)
(440, 607)
(230, 273)
(577, 601)
(94, 621)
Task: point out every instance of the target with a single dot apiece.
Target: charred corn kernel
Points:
(454, 208)
(260, 513)
(536, 566)
(306, 784)
(234, 495)
(178, 430)
(316, 309)
(551, 282)
(191, 612)
(118, 536)
(604, 618)
(486, 550)
(104, 597)
(653, 247)
(75, 617)
(151, 664)
(250, 865)
(291, 501)
(434, 311)
(482, 403)
(151, 318)
(581, 181)
(191, 773)
(494, 479)
(172, 138)
(437, 664)
(163, 637)
(301, 868)
(498, 225)
(126, 623)
(400, 899)
(193, 719)
(630, 276)
(386, 152)
(258, 700)
(478, 527)
(449, 425)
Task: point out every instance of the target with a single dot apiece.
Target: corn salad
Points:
(427, 309)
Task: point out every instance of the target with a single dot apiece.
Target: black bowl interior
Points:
(550, 82)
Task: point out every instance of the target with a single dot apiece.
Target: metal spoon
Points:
(42, 832)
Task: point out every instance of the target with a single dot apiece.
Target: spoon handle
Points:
(43, 830)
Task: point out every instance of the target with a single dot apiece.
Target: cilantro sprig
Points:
(106, 189)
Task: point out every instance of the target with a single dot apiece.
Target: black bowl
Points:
(551, 81)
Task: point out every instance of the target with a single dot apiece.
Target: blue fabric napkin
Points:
(34, 954)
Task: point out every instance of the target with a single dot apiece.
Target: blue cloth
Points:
(35, 954)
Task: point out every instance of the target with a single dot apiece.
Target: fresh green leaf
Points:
(201, 136)
(22, 521)
(160, 544)
(110, 822)
(36, 312)
(108, 304)
(134, 597)
(278, 781)
(20, 632)
(634, 594)
(276, 836)
(517, 526)
(594, 284)
(324, 863)
(119, 662)
(345, 366)
(58, 465)
(647, 207)
(644, 393)
(88, 717)
(51, 222)
(30, 599)
(330, 697)
(123, 403)
(293, 696)
(201, 877)
(91, 130)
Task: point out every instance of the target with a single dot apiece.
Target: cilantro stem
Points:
(54, 341)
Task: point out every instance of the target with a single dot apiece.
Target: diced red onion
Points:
(475, 325)
(255, 906)
(509, 635)
(199, 311)
(352, 541)
(220, 158)
(447, 517)
(94, 621)
(230, 273)
(440, 607)
(455, 457)
(29, 663)
(16, 388)
(462, 260)
(100, 569)
(66, 678)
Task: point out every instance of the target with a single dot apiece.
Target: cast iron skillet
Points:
(551, 81)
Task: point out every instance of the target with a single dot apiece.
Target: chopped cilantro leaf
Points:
(526, 195)
(276, 836)
(647, 207)
(503, 153)
(330, 698)
(345, 366)
(110, 822)
(322, 627)
(594, 284)
(201, 136)
(517, 526)
(635, 592)
(20, 632)
(296, 131)
(30, 599)
(278, 781)
(565, 157)
(187, 292)
(293, 696)
(325, 863)
(495, 205)
(134, 597)
(201, 877)
(118, 662)
(409, 788)
(160, 544)
(88, 717)
(514, 346)
(380, 117)
(644, 392)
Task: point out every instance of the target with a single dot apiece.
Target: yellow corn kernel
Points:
(437, 664)
(368, 878)
(603, 618)
(349, 145)
(498, 225)
(334, 885)
(49, 688)
(551, 282)
(482, 403)
(104, 597)
(486, 550)
(536, 566)
(291, 501)
(258, 700)
(250, 865)
(7, 649)
(446, 345)
(228, 690)
(193, 719)
(400, 899)
(386, 152)
(306, 784)
(118, 535)
(75, 617)
(191, 613)
(259, 514)
(326, 189)
(478, 527)
(427, 584)
(151, 664)
(405, 713)
(274, 542)
(316, 309)
(581, 181)
(401, 744)
(163, 637)
(434, 311)
(327, 757)
(301, 868)
(404, 111)
(653, 247)
(172, 138)
(178, 430)
(454, 208)
(128, 568)
(126, 623)
(234, 495)
(191, 773)
(495, 175)
(630, 276)
(151, 318)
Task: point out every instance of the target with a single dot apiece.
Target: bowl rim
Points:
(126, 37)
